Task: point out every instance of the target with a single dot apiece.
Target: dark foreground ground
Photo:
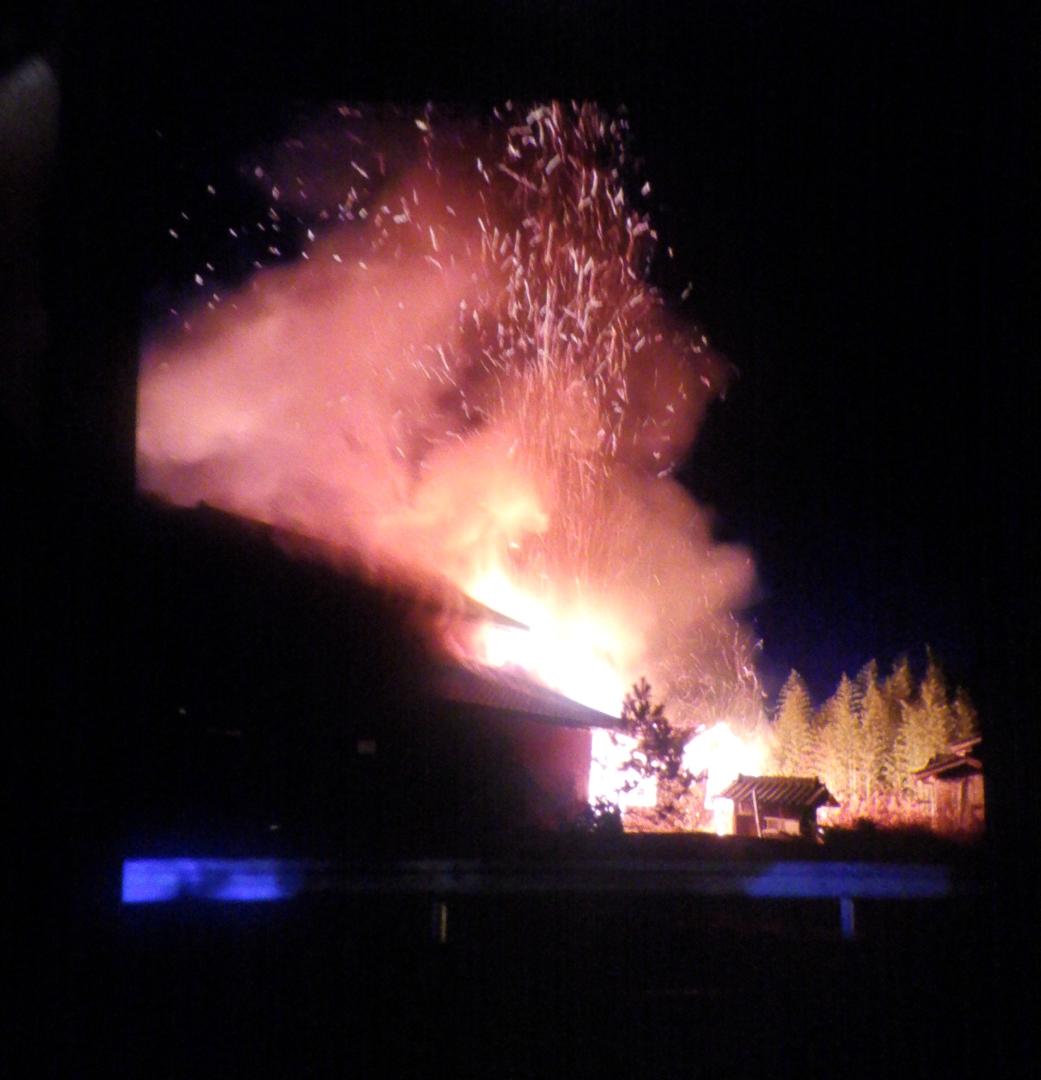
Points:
(553, 983)
(547, 988)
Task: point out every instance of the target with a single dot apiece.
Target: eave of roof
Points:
(501, 689)
(802, 791)
(963, 746)
(950, 767)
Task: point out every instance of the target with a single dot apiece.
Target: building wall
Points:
(774, 819)
(958, 804)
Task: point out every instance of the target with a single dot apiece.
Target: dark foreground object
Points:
(557, 969)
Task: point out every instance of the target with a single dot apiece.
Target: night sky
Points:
(821, 174)
(833, 181)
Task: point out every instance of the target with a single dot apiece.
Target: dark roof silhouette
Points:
(515, 692)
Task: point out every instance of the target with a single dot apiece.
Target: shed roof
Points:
(800, 791)
(949, 767)
(961, 759)
(965, 746)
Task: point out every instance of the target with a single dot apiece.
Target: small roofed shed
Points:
(955, 780)
(777, 805)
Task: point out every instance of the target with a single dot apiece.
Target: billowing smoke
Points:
(468, 377)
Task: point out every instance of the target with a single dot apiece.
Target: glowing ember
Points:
(468, 376)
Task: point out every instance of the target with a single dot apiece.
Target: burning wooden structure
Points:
(776, 806)
(547, 737)
(312, 709)
(955, 783)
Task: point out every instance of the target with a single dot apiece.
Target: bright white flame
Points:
(608, 776)
(574, 652)
(722, 755)
(723, 816)
(718, 752)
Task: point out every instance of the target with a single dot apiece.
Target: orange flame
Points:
(470, 377)
(578, 652)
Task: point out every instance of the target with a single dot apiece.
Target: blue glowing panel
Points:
(149, 881)
(152, 881)
(879, 881)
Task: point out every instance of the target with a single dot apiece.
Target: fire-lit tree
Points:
(899, 686)
(935, 696)
(867, 675)
(657, 754)
(898, 691)
(921, 736)
(966, 719)
(839, 738)
(794, 749)
(928, 725)
(875, 737)
(869, 737)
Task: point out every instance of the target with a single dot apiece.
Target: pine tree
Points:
(793, 729)
(898, 693)
(922, 735)
(657, 753)
(875, 738)
(934, 696)
(867, 676)
(869, 710)
(900, 684)
(966, 719)
(839, 738)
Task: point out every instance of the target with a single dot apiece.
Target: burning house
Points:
(300, 670)
(465, 379)
(312, 707)
(550, 736)
(775, 806)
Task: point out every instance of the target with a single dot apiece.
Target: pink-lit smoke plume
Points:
(468, 378)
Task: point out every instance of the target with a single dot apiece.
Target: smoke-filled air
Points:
(468, 382)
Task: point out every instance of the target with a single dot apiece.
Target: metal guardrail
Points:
(234, 880)
(168, 880)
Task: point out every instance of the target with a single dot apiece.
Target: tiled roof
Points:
(805, 791)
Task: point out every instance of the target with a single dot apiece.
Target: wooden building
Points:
(281, 699)
(955, 783)
(777, 806)
(545, 738)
